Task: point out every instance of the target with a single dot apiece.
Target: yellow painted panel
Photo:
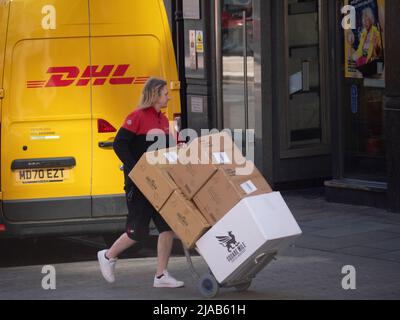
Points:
(51, 103)
(46, 115)
(31, 19)
(129, 18)
(3, 29)
(138, 33)
(113, 102)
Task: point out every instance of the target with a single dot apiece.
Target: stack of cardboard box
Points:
(194, 187)
(217, 201)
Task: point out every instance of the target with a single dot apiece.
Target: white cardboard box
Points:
(256, 225)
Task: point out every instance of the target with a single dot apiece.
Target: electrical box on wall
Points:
(195, 25)
(194, 54)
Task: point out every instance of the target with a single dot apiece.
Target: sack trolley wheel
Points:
(208, 286)
(243, 286)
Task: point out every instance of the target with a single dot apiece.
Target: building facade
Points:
(309, 78)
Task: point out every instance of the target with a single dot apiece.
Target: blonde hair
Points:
(368, 13)
(151, 92)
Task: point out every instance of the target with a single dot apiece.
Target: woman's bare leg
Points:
(164, 247)
(119, 246)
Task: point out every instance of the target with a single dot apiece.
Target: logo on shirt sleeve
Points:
(129, 122)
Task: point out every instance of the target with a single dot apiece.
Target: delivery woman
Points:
(129, 145)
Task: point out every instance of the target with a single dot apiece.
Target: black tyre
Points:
(208, 286)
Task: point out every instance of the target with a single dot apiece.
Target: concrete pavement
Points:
(335, 235)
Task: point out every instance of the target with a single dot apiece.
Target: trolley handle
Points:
(190, 263)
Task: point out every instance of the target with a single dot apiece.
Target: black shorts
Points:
(140, 212)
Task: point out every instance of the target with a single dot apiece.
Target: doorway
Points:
(300, 89)
(304, 119)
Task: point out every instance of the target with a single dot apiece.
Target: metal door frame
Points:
(218, 64)
(322, 148)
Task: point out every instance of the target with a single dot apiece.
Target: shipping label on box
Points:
(163, 156)
(199, 161)
(217, 149)
(246, 185)
(259, 224)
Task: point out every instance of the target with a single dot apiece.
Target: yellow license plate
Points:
(31, 176)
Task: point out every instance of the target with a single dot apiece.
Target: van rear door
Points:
(46, 151)
(128, 45)
(3, 29)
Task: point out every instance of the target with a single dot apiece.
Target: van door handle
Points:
(42, 163)
(106, 144)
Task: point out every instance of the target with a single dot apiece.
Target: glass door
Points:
(304, 117)
(363, 94)
(237, 64)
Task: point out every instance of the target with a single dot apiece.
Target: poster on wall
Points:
(364, 45)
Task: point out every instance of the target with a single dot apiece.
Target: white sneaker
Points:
(167, 281)
(107, 266)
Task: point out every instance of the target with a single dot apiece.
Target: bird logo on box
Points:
(229, 242)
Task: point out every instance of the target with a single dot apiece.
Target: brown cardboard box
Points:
(210, 152)
(153, 180)
(218, 149)
(191, 177)
(184, 218)
(225, 189)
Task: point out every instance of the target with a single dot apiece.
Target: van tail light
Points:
(2, 227)
(104, 126)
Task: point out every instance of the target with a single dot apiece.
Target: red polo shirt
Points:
(141, 121)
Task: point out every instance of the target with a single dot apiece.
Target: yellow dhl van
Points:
(70, 72)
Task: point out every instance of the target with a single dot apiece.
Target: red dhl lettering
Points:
(68, 76)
